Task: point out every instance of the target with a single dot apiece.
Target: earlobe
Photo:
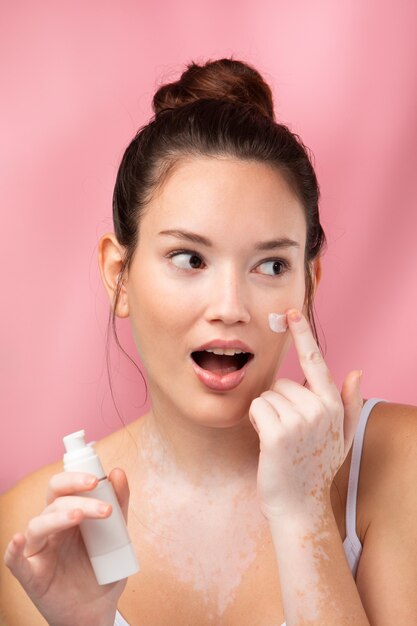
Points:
(122, 308)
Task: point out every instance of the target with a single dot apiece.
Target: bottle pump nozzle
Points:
(75, 441)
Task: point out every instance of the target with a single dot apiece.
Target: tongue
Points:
(218, 363)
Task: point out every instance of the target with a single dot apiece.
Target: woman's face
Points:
(183, 293)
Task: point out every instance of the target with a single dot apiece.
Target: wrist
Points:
(314, 511)
(107, 620)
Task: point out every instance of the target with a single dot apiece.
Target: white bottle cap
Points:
(81, 457)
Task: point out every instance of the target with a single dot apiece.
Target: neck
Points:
(207, 457)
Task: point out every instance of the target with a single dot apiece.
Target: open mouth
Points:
(221, 364)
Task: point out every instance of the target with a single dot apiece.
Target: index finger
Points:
(311, 359)
(67, 483)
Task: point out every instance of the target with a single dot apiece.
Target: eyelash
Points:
(285, 264)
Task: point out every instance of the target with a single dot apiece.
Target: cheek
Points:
(283, 349)
(290, 295)
(180, 304)
(160, 314)
(298, 292)
(276, 348)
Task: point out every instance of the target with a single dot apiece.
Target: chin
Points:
(220, 411)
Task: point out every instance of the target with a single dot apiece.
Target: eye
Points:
(276, 267)
(185, 259)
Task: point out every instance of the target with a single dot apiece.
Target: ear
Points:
(317, 272)
(110, 260)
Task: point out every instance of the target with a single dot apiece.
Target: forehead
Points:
(226, 197)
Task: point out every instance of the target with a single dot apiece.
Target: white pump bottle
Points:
(107, 540)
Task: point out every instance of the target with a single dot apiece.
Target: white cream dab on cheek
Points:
(278, 322)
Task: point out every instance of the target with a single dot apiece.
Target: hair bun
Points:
(224, 79)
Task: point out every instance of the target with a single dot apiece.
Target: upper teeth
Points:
(229, 352)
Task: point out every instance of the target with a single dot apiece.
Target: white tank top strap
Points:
(354, 472)
(119, 620)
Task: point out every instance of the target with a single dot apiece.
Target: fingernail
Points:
(360, 374)
(103, 509)
(294, 315)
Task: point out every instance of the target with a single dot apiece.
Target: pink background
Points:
(77, 81)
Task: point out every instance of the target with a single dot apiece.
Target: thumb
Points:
(352, 401)
(118, 479)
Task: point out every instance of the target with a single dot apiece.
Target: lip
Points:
(214, 381)
(224, 344)
(217, 382)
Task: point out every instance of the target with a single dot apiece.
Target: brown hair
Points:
(221, 108)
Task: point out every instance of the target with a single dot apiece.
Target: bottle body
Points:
(106, 540)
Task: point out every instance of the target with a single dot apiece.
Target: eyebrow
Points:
(272, 244)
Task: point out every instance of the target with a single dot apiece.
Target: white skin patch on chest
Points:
(207, 537)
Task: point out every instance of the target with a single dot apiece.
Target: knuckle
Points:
(10, 563)
(54, 483)
(295, 427)
(7, 557)
(60, 503)
(255, 405)
(313, 356)
(272, 442)
(315, 409)
(57, 485)
(336, 406)
(280, 384)
(31, 528)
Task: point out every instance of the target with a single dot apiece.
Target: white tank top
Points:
(351, 545)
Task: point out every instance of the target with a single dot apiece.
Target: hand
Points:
(50, 560)
(305, 434)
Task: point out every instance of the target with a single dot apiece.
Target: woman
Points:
(245, 505)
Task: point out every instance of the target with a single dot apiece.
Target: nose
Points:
(226, 301)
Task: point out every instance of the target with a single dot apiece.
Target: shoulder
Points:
(25, 499)
(31, 480)
(386, 571)
(391, 435)
(389, 458)
(17, 506)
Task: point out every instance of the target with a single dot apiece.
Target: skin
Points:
(234, 204)
(211, 441)
(204, 447)
(305, 437)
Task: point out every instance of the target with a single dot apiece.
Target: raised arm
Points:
(387, 572)
(305, 435)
